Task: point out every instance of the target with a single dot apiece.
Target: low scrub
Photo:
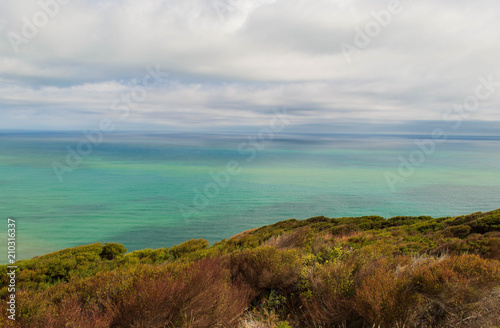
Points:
(325, 273)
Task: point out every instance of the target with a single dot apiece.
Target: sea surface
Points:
(150, 190)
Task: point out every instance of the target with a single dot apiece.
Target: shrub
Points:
(202, 297)
(266, 267)
(315, 273)
(460, 231)
(327, 298)
(344, 229)
(188, 247)
(151, 255)
(262, 319)
(111, 251)
(454, 287)
(384, 295)
(198, 295)
(57, 267)
(300, 238)
(370, 222)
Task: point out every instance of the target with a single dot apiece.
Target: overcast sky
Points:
(227, 65)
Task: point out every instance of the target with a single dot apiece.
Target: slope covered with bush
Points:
(320, 272)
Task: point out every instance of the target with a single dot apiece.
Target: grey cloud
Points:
(236, 67)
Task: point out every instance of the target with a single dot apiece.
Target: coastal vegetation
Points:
(320, 272)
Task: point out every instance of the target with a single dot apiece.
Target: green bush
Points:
(111, 251)
(152, 255)
(460, 231)
(188, 247)
(321, 272)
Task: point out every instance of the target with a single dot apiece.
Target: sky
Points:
(233, 65)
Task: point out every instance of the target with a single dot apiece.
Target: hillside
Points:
(321, 272)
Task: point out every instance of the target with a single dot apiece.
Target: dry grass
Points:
(243, 234)
(200, 296)
(259, 319)
(266, 267)
(343, 238)
(295, 239)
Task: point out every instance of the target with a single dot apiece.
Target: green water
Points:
(131, 188)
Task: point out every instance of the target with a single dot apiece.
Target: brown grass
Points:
(266, 267)
(152, 296)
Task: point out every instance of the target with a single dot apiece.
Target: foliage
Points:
(188, 247)
(266, 267)
(320, 272)
(112, 251)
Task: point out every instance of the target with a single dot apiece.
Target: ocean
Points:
(150, 190)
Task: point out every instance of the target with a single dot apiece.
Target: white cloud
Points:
(234, 65)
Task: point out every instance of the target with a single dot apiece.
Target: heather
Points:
(321, 272)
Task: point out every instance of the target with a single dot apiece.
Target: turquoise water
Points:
(132, 187)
